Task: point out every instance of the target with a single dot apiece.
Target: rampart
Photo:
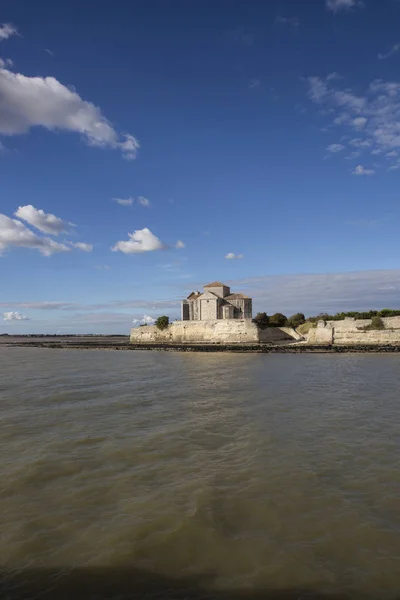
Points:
(221, 331)
(355, 331)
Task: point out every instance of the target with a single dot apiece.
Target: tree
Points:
(278, 320)
(261, 320)
(162, 322)
(296, 320)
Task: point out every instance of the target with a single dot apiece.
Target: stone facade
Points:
(352, 331)
(219, 331)
(215, 303)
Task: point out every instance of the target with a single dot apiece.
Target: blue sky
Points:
(149, 147)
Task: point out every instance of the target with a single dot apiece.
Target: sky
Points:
(149, 147)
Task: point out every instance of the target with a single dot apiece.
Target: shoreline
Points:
(232, 348)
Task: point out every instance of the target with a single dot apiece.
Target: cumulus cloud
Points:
(146, 320)
(360, 170)
(375, 114)
(337, 5)
(7, 30)
(233, 256)
(142, 240)
(179, 244)
(28, 102)
(14, 316)
(392, 51)
(14, 233)
(47, 223)
(335, 148)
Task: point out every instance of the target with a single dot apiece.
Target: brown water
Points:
(146, 474)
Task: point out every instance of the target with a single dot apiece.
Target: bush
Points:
(296, 320)
(278, 320)
(162, 322)
(376, 325)
(261, 320)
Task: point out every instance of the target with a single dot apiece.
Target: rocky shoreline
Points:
(112, 344)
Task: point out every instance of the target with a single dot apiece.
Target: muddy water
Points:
(143, 474)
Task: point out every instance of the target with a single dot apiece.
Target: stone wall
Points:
(219, 331)
(352, 331)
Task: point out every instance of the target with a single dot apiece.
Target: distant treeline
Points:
(370, 314)
(262, 320)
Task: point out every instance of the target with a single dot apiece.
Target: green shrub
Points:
(162, 322)
(376, 325)
(261, 320)
(296, 320)
(278, 320)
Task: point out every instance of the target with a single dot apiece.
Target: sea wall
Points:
(352, 331)
(221, 331)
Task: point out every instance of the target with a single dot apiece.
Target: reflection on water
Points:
(199, 475)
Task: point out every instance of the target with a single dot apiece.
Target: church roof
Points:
(193, 296)
(216, 284)
(208, 294)
(237, 297)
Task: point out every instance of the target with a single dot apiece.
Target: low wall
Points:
(352, 331)
(221, 331)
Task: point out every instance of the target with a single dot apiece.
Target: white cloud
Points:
(233, 256)
(7, 30)
(392, 154)
(14, 316)
(314, 293)
(105, 267)
(359, 143)
(5, 62)
(336, 5)
(360, 122)
(360, 170)
(124, 201)
(376, 114)
(148, 320)
(293, 21)
(353, 155)
(143, 201)
(129, 147)
(335, 148)
(47, 223)
(14, 233)
(142, 240)
(392, 51)
(130, 201)
(179, 244)
(82, 246)
(40, 305)
(28, 102)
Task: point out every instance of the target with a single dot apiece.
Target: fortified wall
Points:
(352, 331)
(221, 331)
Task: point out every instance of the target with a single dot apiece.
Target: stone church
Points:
(216, 302)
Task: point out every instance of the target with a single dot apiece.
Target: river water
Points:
(168, 475)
